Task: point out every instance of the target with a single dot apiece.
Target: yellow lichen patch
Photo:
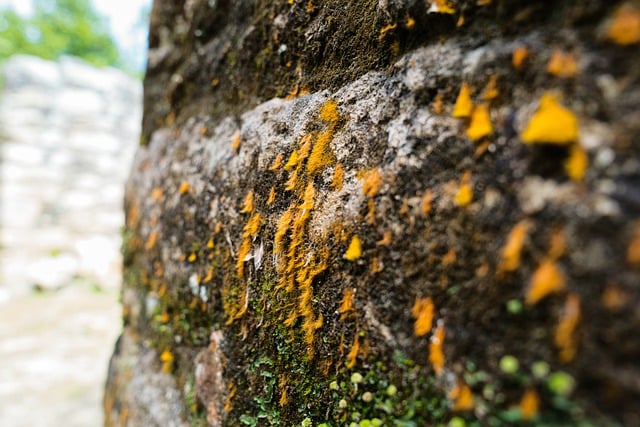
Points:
(321, 155)
(277, 162)
(518, 56)
(371, 183)
(249, 231)
(422, 311)
(387, 238)
(426, 202)
(565, 337)
(551, 124)
(253, 225)
(353, 353)
(272, 196)
(464, 196)
(441, 6)
(354, 251)
(247, 205)
(562, 64)
(577, 163)
(151, 241)
(293, 161)
(243, 253)
(464, 106)
(235, 144)
(167, 360)
(282, 228)
(480, 124)
(292, 181)
(547, 279)
(461, 396)
(512, 250)
(384, 30)
(409, 23)
(346, 306)
(184, 187)
(192, 257)
(209, 276)
(376, 265)
(329, 111)
(156, 194)
(491, 90)
(436, 352)
(228, 406)
(624, 26)
(449, 258)
(338, 177)
(210, 243)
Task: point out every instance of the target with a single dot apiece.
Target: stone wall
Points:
(399, 213)
(67, 136)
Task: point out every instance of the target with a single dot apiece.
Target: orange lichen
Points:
(614, 297)
(547, 279)
(292, 181)
(370, 218)
(209, 276)
(519, 55)
(249, 231)
(422, 311)
(282, 386)
(529, 404)
(353, 353)
(562, 64)
(511, 251)
(441, 6)
(480, 124)
(410, 23)
(272, 196)
(387, 238)
(449, 258)
(277, 162)
(184, 187)
(346, 306)
(577, 162)
(633, 250)
(376, 265)
(151, 241)
(282, 229)
(624, 27)
(354, 251)
(371, 183)
(464, 106)
(293, 161)
(491, 90)
(253, 225)
(338, 177)
(228, 406)
(551, 124)
(247, 205)
(235, 144)
(210, 243)
(464, 196)
(156, 194)
(167, 360)
(426, 202)
(438, 104)
(557, 244)
(192, 257)
(436, 352)
(461, 396)
(565, 337)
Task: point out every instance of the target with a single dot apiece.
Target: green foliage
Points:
(56, 28)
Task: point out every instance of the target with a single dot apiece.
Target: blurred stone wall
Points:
(67, 136)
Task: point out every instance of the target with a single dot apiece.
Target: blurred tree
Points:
(56, 28)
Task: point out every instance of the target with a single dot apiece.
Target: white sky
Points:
(123, 15)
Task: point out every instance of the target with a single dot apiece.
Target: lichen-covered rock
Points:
(353, 253)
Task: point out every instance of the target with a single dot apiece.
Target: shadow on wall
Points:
(68, 132)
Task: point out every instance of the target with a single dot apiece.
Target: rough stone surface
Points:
(67, 136)
(352, 253)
